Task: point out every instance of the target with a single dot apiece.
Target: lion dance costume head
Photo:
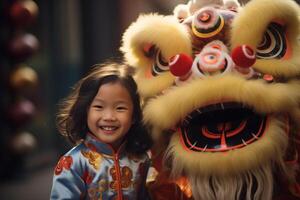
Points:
(221, 85)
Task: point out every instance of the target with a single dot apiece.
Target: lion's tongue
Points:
(224, 126)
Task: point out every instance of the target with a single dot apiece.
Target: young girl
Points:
(103, 117)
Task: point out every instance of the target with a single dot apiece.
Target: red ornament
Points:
(243, 56)
(21, 112)
(23, 143)
(23, 78)
(23, 46)
(180, 64)
(23, 13)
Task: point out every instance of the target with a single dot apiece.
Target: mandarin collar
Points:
(93, 143)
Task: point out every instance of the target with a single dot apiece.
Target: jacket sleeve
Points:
(67, 180)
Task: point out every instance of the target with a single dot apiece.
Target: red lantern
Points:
(23, 78)
(21, 112)
(23, 46)
(23, 13)
(22, 143)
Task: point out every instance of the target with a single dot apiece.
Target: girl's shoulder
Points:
(76, 150)
(74, 159)
(70, 161)
(75, 155)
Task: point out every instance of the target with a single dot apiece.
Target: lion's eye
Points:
(207, 23)
(274, 44)
(160, 64)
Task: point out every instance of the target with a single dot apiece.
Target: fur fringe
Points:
(236, 187)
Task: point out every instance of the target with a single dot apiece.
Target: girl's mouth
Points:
(221, 127)
(108, 128)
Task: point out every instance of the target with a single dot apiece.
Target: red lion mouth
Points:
(222, 127)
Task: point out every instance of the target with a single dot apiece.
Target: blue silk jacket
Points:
(93, 170)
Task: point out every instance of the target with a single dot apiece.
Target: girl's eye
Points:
(98, 106)
(121, 108)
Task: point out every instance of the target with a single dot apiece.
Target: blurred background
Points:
(45, 47)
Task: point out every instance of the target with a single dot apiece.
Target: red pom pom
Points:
(180, 64)
(243, 56)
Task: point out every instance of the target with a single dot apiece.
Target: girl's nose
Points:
(109, 115)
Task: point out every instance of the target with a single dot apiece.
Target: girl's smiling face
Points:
(110, 114)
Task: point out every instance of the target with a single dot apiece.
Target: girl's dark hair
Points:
(72, 115)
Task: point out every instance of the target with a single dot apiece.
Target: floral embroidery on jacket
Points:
(96, 191)
(126, 177)
(64, 162)
(93, 157)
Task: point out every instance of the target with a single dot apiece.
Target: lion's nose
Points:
(211, 61)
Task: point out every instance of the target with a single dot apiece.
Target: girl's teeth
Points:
(108, 128)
